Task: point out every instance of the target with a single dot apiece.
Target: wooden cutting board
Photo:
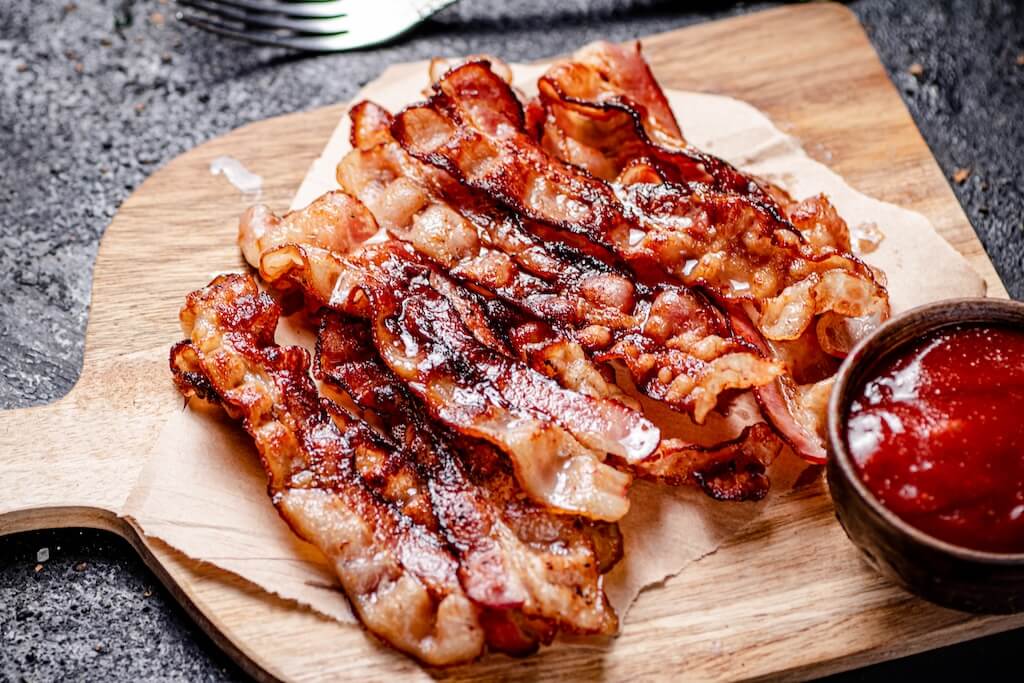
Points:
(787, 599)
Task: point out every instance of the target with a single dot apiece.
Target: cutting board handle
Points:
(37, 466)
(72, 462)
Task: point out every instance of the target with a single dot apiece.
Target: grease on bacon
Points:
(472, 449)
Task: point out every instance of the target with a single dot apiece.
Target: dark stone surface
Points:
(96, 95)
(93, 611)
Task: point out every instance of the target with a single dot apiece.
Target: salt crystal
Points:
(43, 555)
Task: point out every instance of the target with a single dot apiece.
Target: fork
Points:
(310, 25)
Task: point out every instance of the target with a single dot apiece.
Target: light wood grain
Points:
(786, 599)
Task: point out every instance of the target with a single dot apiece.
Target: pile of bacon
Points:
(466, 452)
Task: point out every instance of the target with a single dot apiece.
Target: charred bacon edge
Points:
(725, 177)
(732, 470)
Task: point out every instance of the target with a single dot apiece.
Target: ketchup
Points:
(938, 436)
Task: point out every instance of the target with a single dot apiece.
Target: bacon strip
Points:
(400, 579)
(392, 473)
(613, 126)
(780, 400)
(721, 241)
(732, 470)
(423, 340)
(663, 372)
(588, 104)
(405, 287)
(603, 122)
(334, 221)
(556, 438)
(590, 302)
(503, 563)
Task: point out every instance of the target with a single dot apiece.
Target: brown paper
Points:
(204, 493)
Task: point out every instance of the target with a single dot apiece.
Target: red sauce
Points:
(938, 436)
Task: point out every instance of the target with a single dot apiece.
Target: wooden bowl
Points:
(938, 571)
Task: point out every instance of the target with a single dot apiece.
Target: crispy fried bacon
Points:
(613, 126)
(334, 221)
(732, 470)
(798, 421)
(584, 105)
(677, 347)
(392, 473)
(723, 241)
(537, 344)
(513, 553)
(608, 122)
(399, 577)
(556, 438)
(422, 338)
(485, 146)
(592, 304)
(468, 453)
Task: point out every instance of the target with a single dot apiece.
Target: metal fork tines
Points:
(313, 25)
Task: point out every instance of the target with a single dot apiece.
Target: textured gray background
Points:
(95, 96)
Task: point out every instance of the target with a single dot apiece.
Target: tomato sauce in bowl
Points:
(936, 433)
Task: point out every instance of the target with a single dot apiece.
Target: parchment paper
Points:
(204, 493)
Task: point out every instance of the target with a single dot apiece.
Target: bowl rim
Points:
(861, 355)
